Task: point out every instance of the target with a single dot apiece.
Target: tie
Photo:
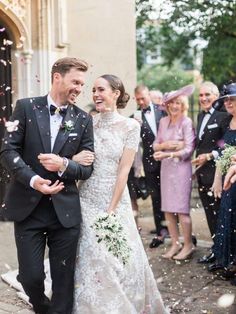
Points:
(148, 109)
(205, 113)
(54, 109)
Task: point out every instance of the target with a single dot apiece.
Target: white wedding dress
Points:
(103, 285)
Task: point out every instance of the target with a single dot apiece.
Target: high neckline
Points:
(108, 116)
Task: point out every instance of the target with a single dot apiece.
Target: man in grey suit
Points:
(42, 198)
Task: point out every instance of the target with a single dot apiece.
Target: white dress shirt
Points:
(204, 122)
(151, 119)
(55, 125)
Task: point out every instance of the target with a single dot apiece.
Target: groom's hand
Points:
(51, 162)
(43, 186)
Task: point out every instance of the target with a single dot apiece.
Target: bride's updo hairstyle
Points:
(116, 84)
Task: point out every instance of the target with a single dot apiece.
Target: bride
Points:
(103, 284)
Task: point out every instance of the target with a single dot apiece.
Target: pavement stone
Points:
(186, 287)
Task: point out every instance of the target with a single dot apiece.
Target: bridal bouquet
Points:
(110, 231)
(223, 162)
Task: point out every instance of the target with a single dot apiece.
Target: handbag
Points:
(141, 187)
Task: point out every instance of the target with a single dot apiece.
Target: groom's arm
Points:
(12, 146)
(69, 169)
(74, 170)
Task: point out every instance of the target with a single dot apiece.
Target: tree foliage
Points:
(164, 79)
(193, 28)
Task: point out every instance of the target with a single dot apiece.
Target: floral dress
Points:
(103, 284)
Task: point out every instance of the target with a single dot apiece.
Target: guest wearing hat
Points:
(210, 129)
(174, 146)
(225, 239)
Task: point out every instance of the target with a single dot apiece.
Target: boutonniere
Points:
(68, 126)
(11, 126)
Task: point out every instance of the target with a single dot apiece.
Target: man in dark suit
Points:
(42, 198)
(210, 129)
(151, 115)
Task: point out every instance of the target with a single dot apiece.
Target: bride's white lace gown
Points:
(103, 285)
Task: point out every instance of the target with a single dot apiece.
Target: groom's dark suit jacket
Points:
(19, 155)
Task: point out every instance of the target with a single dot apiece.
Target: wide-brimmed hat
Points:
(227, 91)
(184, 91)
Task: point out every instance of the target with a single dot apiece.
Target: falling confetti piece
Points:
(226, 300)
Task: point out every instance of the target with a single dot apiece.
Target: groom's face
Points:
(69, 86)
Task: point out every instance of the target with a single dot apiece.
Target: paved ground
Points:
(186, 287)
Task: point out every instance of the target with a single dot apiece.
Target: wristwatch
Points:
(64, 164)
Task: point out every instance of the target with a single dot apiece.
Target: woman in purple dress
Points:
(174, 146)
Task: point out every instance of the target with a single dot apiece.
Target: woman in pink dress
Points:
(174, 146)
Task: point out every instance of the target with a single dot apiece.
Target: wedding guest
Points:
(151, 116)
(174, 146)
(156, 97)
(134, 193)
(225, 239)
(210, 130)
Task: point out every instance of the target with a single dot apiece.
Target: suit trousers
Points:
(153, 182)
(211, 207)
(32, 235)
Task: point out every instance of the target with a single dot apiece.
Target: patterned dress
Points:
(102, 283)
(176, 173)
(225, 239)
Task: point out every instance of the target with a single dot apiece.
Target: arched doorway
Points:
(5, 94)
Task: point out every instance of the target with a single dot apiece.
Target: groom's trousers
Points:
(32, 235)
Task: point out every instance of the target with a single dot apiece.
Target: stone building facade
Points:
(34, 33)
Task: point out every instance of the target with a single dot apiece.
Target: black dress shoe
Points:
(233, 281)
(215, 267)
(154, 231)
(229, 272)
(206, 259)
(194, 240)
(155, 243)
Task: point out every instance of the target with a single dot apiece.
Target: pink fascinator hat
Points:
(184, 91)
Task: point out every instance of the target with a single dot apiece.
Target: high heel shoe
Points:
(186, 256)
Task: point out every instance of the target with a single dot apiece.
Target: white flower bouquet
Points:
(110, 231)
(223, 162)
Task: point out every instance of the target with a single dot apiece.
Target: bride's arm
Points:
(122, 177)
(85, 158)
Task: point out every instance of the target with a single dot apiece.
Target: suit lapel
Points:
(205, 130)
(63, 133)
(43, 121)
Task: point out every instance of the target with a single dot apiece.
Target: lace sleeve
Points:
(133, 135)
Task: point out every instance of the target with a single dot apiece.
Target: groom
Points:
(42, 198)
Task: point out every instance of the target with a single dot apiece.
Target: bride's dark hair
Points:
(116, 84)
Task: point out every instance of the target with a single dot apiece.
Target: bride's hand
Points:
(111, 211)
(84, 158)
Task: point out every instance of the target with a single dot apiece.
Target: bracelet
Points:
(208, 157)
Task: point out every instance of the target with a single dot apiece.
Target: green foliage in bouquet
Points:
(223, 162)
(110, 231)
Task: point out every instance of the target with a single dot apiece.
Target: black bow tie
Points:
(206, 112)
(148, 109)
(61, 111)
